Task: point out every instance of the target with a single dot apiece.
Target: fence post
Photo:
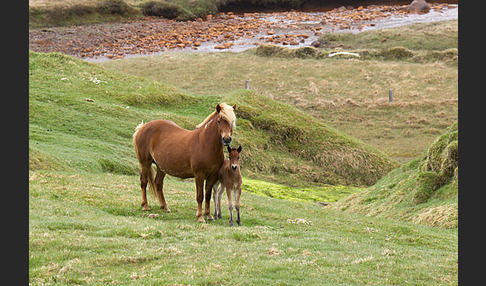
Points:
(247, 84)
(390, 95)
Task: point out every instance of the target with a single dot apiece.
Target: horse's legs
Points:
(159, 183)
(199, 197)
(237, 204)
(143, 184)
(209, 188)
(230, 203)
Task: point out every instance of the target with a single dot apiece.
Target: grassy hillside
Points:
(423, 191)
(348, 94)
(83, 116)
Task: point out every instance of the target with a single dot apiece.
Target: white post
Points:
(247, 84)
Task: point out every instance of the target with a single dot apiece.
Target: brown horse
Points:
(230, 179)
(184, 154)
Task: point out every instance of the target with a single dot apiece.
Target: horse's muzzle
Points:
(234, 167)
(226, 141)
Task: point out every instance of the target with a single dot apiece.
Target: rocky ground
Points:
(217, 32)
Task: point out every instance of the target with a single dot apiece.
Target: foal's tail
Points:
(151, 174)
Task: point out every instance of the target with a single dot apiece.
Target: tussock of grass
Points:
(38, 160)
(450, 56)
(423, 191)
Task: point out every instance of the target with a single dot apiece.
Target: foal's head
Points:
(226, 122)
(234, 156)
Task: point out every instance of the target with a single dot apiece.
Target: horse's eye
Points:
(219, 122)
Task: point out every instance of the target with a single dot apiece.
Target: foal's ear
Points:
(218, 108)
(234, 106)
(229, 149)
(239, 149)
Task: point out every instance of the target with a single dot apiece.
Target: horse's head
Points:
(226, 122)
(234, 156)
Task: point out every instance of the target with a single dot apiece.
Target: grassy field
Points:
(86, 225)
(351, 95)
(88, 228)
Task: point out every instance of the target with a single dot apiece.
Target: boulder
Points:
(419, 6)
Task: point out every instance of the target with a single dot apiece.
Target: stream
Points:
(225, 31)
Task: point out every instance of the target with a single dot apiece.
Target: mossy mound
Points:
(424, 191)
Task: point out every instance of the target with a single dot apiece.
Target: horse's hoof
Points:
(166, 209)
(200, 219)
(209, 217)
(145, 208)
(238, 222)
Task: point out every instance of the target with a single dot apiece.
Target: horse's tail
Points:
(135, 136)
(151, 175)
(151, 180)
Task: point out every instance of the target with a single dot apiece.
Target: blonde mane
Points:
(227, 113)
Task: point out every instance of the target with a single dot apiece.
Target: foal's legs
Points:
(159, 183)
(220, 195)
(230, 203)
(217, 203)
(238, 196)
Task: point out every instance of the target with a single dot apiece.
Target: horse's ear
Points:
(239, 149)
(229, 149)
(234, 106)
(218, 108)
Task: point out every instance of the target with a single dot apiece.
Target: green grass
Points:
(88, 228)
(350, 95)
(322, 194)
